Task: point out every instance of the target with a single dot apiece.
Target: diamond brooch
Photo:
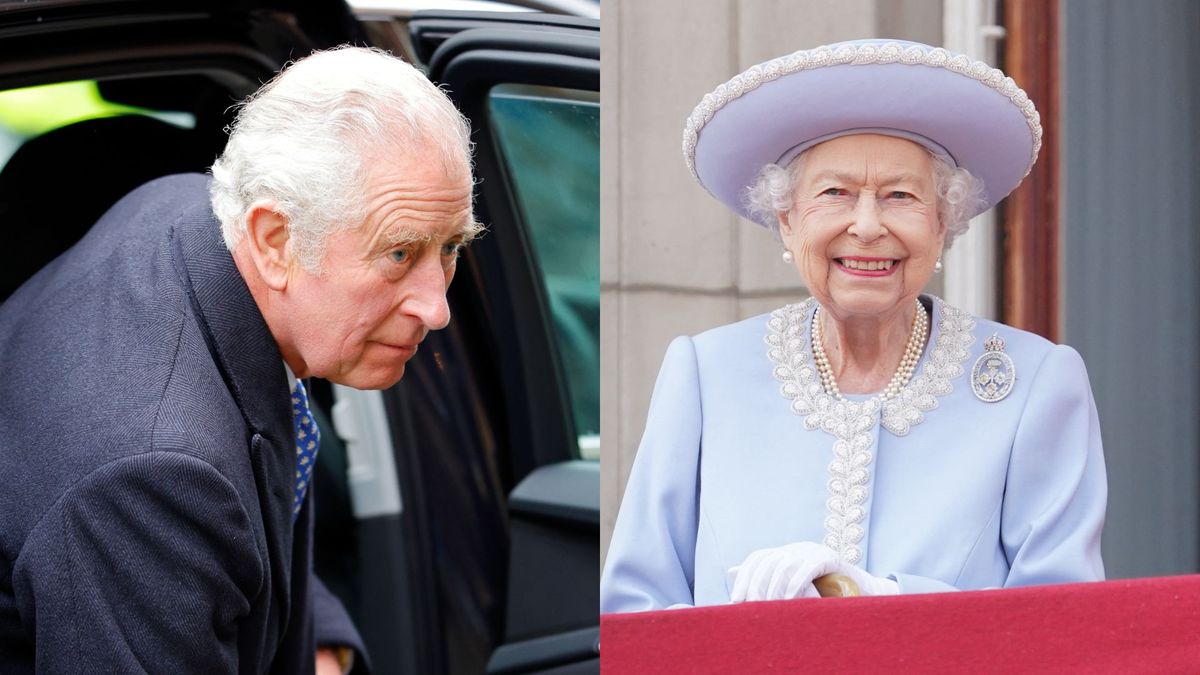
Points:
(993, 376)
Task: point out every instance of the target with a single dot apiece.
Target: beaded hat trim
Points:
(858, 55)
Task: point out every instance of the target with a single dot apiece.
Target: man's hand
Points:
(328, 662)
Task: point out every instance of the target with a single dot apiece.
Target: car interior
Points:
(101, 159)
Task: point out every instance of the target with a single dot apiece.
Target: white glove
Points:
(788, 572)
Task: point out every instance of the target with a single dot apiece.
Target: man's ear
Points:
(268, 245)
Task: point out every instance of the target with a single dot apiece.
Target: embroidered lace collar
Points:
(791, 351)
(850, 422)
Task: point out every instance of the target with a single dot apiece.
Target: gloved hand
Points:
(788, 572)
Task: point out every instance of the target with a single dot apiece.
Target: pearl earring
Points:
(788, 257)
(937, 266)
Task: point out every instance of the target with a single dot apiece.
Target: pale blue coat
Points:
(971, 495)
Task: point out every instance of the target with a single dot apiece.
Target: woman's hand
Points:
(782, 573)
(788, 572)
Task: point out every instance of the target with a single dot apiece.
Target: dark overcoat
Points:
(147, 460)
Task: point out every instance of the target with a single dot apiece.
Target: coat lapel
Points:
(252, 367)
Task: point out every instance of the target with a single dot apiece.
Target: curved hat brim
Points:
(979, 117)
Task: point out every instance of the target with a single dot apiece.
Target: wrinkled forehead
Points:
(866, 156)
(418, 202)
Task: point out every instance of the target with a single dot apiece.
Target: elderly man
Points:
(155, 440)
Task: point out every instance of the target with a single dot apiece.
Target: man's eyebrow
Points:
(403, 236)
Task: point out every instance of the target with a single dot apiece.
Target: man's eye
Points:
(452, 250)
(400, 255)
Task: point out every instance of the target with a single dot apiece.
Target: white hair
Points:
(306, 138)
(960, 195)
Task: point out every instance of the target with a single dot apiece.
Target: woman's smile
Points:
(868, 267)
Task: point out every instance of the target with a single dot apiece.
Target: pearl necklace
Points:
(904, 372)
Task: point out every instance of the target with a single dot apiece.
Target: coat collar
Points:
(237, 335)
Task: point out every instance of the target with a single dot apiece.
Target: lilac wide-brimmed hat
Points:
(951, 104)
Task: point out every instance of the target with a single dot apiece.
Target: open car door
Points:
(476, 505)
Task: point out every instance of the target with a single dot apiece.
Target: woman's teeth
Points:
(868, 265)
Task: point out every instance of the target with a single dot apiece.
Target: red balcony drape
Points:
(1128, 626)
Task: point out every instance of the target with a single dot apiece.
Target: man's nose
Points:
(867, 225)
(427, 295)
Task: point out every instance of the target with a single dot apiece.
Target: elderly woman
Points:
(869, 431)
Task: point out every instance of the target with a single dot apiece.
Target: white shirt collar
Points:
(291, 377)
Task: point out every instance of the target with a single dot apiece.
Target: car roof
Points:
(582, 8)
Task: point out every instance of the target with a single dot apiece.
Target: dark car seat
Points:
(55, 186)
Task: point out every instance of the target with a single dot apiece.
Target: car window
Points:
(97, 139)
(29, 112)
(549, 140)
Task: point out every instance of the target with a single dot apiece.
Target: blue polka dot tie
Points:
(308, 441)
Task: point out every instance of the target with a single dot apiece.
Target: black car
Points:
(458, 516)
